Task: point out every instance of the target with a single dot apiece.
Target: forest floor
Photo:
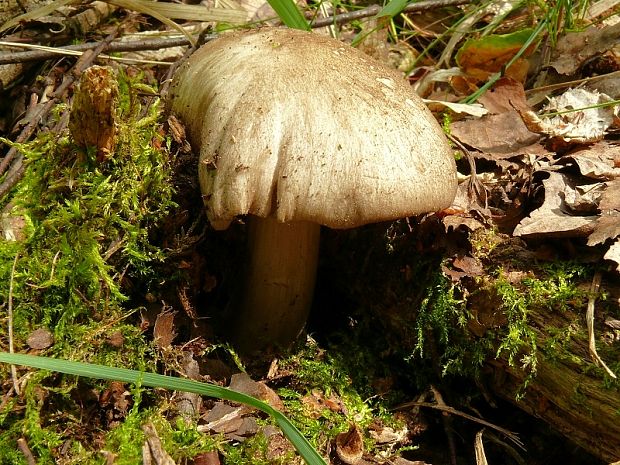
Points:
(487, 332)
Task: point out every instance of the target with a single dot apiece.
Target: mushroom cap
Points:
(306, 128)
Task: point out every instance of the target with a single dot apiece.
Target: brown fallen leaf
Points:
(469, 265)
(207, 458)
(278, 447)
(316, 402)
(350, 445)
(598, 161)
(117, 397)
(402, 461)
(153, 452)
(40, 338)
(12, 224)
(163, 331)
(223, 418)
(552, 219)
(608, 225)
(502, 133)
(506, 95)
(613, 254)
(576, 48)
(584, 199)
(573, 118)
(241, 382)
(387, 435)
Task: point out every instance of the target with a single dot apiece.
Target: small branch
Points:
(23, 447)
(596, 284)
(45, 53)
(481, 458)
(374, 9)
(444, 408)
(10, 323)
(155, 44)
(447, 425)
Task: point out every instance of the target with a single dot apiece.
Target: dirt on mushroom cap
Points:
(306, 128)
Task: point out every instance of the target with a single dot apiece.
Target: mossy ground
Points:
(103, 249)
(90, 262)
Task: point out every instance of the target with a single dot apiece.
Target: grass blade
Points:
(305, 449)
(392, 8)
(289, 14)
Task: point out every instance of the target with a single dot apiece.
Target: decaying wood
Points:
(567, 392)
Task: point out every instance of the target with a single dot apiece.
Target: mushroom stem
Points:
(279, 283)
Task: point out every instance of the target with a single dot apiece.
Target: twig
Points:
(10, 323)
(374, 9)
(481, 458)
(596, 284)
(156, 44)
(23, 447)
(17, 169)
(475, 185)
(45, 53)
(562, 85)
(447, 425)
(444, 408)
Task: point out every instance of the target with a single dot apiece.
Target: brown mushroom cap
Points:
(302, 127)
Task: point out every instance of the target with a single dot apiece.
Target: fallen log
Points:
(530, 317)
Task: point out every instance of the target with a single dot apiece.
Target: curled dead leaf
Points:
(350, 445)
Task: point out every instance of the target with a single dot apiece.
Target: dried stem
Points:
(596, 284)
(156, 44)
(10, 323)
(444, 408)
(23, 447)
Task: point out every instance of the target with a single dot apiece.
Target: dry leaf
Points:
(387, 435)
(241, 382)
(608, 225)
(163, 332)
(598, 161)
(278, 446)
(613, 254)
(316, 403)
(223, 418)
(584, 200)
(40, 339)
(552, 218)
(577, 47)
(12, 224)
(402, 461)
(506, 95)
(153, 452)
(350, 445)
(207, 458)
(469, 265)
(501, 134)
(473, 109)
(583, 125)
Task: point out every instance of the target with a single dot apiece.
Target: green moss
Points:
(87, 240)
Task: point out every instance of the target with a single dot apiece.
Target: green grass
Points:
(155, 380)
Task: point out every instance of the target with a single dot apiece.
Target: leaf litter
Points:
(533, 176)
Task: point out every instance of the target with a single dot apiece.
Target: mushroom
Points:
(298, 130)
